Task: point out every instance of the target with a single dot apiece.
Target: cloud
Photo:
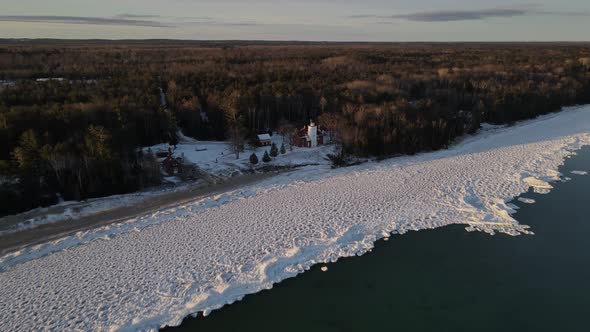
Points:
(133, 16)
(363, 16)
(83, 20)
(470, 15)
(212, 21)
(467, 15)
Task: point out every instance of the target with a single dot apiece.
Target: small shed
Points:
(264, 139)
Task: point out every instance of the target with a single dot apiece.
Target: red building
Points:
(172, 166)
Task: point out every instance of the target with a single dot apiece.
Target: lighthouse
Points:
(312, 134)
(309, 136)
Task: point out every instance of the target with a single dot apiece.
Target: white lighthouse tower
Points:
(312, 134)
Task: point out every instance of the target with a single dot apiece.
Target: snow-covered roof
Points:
(264, 137)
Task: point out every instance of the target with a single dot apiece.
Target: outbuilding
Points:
(264, 139)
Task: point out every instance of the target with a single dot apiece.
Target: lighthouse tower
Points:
(312, 134)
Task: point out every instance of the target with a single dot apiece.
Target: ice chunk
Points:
(526, 200)
(539, 186)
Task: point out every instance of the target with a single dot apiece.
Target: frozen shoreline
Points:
(191, 258)
(73, 210)
(224, 171)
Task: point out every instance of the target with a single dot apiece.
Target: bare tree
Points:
(233, 118)
(323, 103)
(286, 129)
(331, 122)
(57, 158)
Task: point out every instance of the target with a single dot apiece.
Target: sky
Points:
(308, 20)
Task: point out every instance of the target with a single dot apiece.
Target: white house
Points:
(264, 139)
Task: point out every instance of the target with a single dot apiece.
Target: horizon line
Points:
(288, 40)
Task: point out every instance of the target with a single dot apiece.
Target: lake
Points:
(444, 279)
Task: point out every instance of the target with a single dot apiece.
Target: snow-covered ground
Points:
(217, 158)
(157, 269)
(73, 210)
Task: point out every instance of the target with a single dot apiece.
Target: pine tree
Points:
(253, 159)
(283, 150)
(274, 151)
(266, 157)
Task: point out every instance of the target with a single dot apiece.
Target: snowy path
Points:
(192, 258)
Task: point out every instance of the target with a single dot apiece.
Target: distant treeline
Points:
(78, 137)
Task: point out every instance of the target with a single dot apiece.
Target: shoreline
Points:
(253, 242)
(21, 239)
(394, 272)
(162, 198)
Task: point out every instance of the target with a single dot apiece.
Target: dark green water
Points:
(444, 279)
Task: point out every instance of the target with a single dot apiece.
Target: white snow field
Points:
(198, 258)
(217, 159)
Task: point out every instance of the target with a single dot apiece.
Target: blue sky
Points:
(334, 20)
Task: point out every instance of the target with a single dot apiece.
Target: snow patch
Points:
(73, 210)
(173, 179)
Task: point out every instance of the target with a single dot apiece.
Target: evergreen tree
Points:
(274, 151)
(283, 150)
(253, 159)
(266, 157)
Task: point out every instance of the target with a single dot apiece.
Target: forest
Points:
(73, 114)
